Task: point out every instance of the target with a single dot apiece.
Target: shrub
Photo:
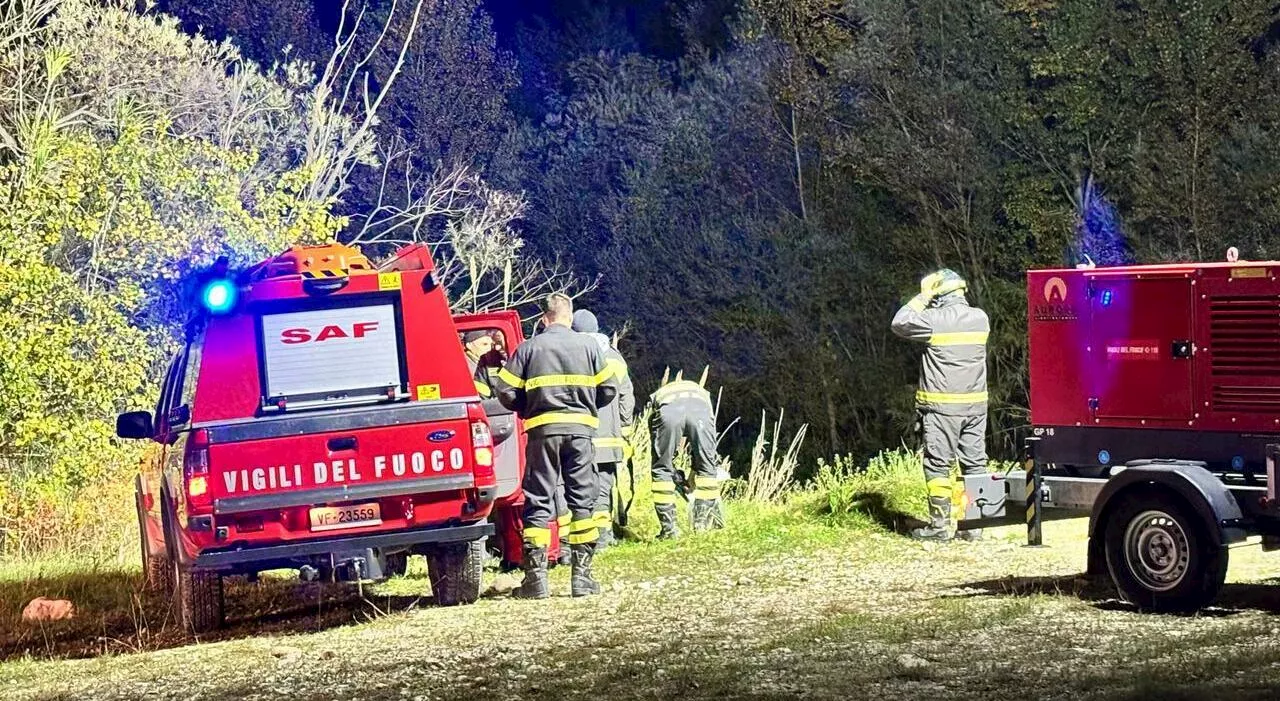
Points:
(886, 491)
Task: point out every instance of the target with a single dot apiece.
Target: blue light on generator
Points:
(219, 296)
(1107, 296)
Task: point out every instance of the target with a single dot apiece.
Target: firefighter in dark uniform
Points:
(563, 516)
(557, 382)
(952, 396)
(683, 409)
(478, 344)
(615, 421)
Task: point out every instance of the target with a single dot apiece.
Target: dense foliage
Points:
(756, 185)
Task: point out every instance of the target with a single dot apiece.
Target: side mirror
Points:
(134, 425)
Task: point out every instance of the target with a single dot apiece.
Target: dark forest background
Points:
(757, 184)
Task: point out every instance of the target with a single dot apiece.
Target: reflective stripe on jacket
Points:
(557, 382)
(953, 373)
(610, 443)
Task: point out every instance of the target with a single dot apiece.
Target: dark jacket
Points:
(557, 382)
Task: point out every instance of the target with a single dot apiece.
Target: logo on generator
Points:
(1055, 306)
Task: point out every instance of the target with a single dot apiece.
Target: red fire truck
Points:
(321, 416)
(1155, 410)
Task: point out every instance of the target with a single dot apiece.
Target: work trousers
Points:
(608, 476)
(948, 440)
(690, 419)
(549, 460)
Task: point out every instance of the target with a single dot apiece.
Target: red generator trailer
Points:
(1155, 410)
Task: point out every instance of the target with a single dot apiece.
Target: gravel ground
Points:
(774, 607)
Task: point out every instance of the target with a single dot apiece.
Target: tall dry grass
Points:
(772, 473)
(44, 516)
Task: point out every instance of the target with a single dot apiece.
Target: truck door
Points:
(508, 430)
(1140, 346)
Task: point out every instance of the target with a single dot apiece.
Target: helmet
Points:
(949, 282)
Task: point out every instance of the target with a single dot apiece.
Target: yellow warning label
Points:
(428, 391)
(1248, 272)
(388, 281)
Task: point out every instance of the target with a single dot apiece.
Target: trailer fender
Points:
(1197, 486)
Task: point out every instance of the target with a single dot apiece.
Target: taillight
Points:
(196, 469)
(482, 444)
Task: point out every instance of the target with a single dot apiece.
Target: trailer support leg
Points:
(1035, 534)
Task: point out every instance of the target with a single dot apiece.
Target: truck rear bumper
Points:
(282, 555)
(331, 495)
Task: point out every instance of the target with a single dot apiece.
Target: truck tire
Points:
(1162, 556)
(197, 593)
(455, 571)
(199, 599)
(155, 568)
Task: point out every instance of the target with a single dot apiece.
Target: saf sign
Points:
(359, 329)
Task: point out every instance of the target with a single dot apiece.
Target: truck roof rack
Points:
(326, 261)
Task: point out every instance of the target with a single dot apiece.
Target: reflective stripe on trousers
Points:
(664, 493)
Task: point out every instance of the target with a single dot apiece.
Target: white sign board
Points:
(330, 351)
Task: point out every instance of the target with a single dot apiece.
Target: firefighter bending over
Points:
(952, 397)
(557, 382)
(615, 423)
(682, 409)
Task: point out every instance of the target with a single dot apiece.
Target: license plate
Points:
(329, 518)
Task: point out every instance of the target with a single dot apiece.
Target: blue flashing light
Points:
(1237, 462)
(1107, 297)
(1104, 457)
(219, 296)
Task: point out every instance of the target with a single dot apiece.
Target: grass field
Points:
(781, 604)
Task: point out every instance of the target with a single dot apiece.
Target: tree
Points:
(449, 102)
(115, 184)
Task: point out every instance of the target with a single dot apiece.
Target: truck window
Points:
(490, 354)
(172, 391)
(332, 356)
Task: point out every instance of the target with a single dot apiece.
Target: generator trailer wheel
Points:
(1162, 556)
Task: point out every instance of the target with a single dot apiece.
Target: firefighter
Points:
(557, 382)
(683, 409)
(952, 396)
(615, 424)
(478, 344)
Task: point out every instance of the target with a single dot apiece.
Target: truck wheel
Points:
(155, 568)
(199, 599)
(1161, 554)
(455, 571)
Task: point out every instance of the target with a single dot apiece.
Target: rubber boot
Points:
(581, 583)
(668, 530)
(939, 527)
(703, 515)
(535, 584)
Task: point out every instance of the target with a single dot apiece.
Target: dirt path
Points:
(739, 614)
